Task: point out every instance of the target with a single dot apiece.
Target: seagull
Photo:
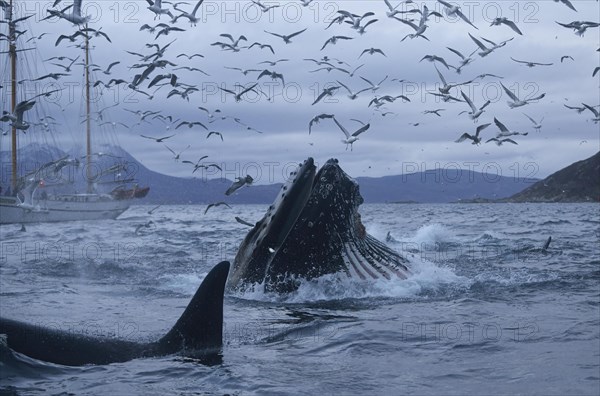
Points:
(516, 102)
(215, 133)
(96, 33)
(215, 205)
(243, 71)
(198, 164)
(355, 19)
(475, 112)
(578, 109)
(434, 58)
(352, 95)
(579, 26)
(326, 92)
(464, 60)
(596, 70)
(239, 183)
(485, 50)
(238, 96)
(504, 131)
(475, 138)
(272, 74)
(262, 46)
(455, 10)
(445, 89)
(361, 29)
(17, 116)
(500, 141)
(265, 8)
(536, 125)
(287, 38)
(75, 16)
(374, 87)
(567, 3)
(334, 39)
(419, 29)
(596, 118)
(562, 58)
(157, 140)
(191, 17)
(241, 221)
(208, 113)
(507, 22)
(351, 138)
(273, 63)
(107, 71)
(156, 8)
(177, 155)
(436, 112)
(191, 124)
(71, 38)
(372, 51)
(393, 10)
(531, 64)
(316, 120)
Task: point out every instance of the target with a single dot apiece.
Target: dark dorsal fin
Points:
(545, 247)
(201, 324)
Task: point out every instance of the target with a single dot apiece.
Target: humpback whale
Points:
(313, 228)
(199, 330)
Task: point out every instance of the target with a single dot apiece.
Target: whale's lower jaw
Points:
(366, 259)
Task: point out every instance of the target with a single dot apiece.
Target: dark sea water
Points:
(486, 311)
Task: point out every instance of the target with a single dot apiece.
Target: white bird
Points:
(536, 125)
(475, 138)
(239, 183)
(507, 22)
(455, 10)
(316, 120)
(351, 138)
(287, 38)
(374, 87)
(17, 116)
(177, 156)
(334, 39)
(531, 64)
(156, 8)
(190, 16)
(516, 102)
(352, 95)
(326, 92)
(372, 51)
(500, 141)
(74, 16)
(485, 50)
(504, 131)
(567, 3)
(475, 112)
(596, 118)
(464, 61)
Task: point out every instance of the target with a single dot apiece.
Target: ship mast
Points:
(12, 51)
(89, 175)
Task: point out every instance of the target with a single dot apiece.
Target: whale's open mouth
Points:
(313, 228)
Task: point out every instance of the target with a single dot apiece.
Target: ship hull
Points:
(64, 208)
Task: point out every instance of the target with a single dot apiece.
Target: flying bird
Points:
(239, 183)
(507, 22)
(214, 205)
(531, 64)
(475, 138)
(515, 101)
(157, 140)
(287, 38)
(455, 10)
(351, 138)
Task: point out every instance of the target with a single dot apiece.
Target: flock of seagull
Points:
(155, 72)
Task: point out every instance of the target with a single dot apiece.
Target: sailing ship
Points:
(28, 200)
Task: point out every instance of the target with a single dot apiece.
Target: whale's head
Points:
(313, 228)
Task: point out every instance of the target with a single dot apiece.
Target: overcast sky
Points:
(392, 145)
